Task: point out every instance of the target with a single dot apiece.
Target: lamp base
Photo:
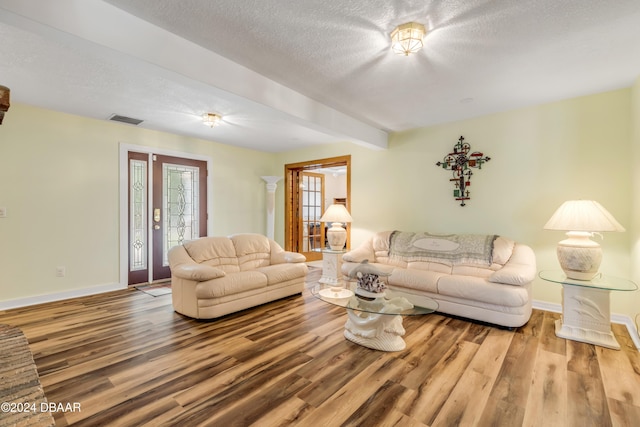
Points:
(336, 236)
(579, 256)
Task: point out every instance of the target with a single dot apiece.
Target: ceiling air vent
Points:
(125, 119)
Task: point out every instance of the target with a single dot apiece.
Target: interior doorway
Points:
(307, 195)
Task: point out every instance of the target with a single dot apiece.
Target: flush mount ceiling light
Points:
(407, 38)
(211, 119)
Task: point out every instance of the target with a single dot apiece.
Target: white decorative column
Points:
(272, 184)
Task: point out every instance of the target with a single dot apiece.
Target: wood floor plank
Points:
(587, 405)
(547, 402)
(510, 391)
(437, 389)
(548, 339)
(466, 402)
(129, 359)
(618, 377)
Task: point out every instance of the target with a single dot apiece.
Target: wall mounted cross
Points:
(459, 163)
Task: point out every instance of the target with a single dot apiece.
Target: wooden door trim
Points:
(290, 170)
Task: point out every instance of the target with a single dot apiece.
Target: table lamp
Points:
(336, 235)
(579, 256)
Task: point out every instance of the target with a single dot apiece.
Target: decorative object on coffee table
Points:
(368, 279)
(459, 162)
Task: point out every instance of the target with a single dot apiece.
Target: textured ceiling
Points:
(287, 74)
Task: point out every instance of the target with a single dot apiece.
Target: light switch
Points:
(3, 212)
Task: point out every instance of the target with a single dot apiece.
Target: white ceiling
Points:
(289, 74)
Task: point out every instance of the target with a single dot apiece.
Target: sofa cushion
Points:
(231, 284)
(213, 251)
(253, 250)
(429, 266)
(415, 279)
(283, 272)
(347, 267)
(472, 270)
(479, 289)
(502, 250)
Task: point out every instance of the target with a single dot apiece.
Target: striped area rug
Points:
(21, 393)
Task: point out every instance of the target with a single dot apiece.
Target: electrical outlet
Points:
(61, 271)
(3, 212)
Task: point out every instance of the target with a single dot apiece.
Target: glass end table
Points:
(374, 320)
(586, 315)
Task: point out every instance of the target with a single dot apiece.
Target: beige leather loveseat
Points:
(214, 276)
(487, 278)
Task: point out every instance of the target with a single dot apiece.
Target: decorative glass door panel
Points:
(179, 207)
(138, 217)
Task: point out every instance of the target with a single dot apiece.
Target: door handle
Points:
(156, 215)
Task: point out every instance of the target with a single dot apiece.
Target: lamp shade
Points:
(578, 255)
(582, 215)
(336, 213)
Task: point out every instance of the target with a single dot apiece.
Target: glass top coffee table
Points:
(375, 320)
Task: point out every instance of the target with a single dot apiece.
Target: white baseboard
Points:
(615, 318)
(59, 296)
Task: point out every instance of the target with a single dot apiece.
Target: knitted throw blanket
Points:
(450, 249)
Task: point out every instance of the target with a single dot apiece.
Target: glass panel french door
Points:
(164, 214)
(300, 225)
(312, 207)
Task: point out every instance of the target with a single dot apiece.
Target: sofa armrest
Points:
(282, 257)
(294, 257)
(197, 272)
(361, 253)
(519, 270)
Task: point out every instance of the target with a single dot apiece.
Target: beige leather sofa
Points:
(214, 276)
(487, 278)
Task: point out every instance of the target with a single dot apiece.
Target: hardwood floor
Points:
(128, 359)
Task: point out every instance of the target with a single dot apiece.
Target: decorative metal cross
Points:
(459, 162)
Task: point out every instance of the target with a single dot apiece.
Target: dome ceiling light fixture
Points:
(211, 119)
(407, 38)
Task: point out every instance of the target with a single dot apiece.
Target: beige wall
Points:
(540, 157)
(60, 185)
(634, 225)
(59, 179)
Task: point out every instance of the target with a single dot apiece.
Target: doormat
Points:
(155, 290)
